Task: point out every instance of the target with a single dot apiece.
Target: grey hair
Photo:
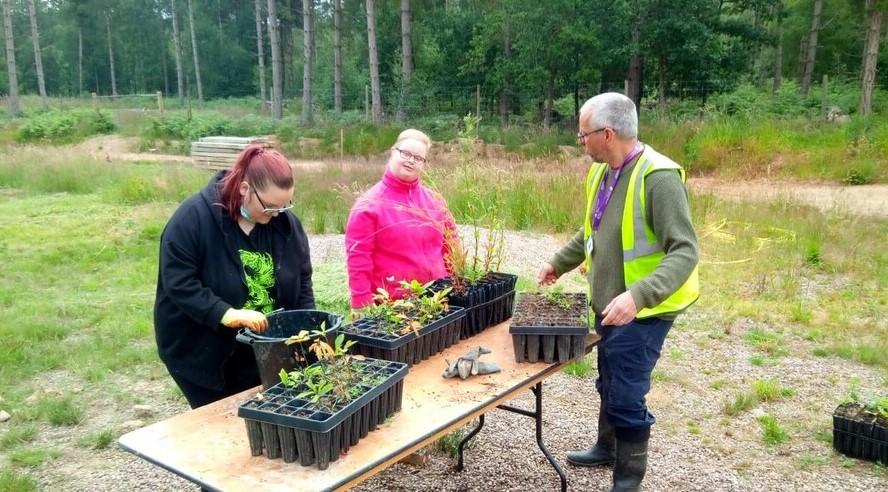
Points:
(611, 110)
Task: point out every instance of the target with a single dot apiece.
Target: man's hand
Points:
(245, 318)
(546, 275)
(620, 311)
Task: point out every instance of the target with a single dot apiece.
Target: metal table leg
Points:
(537, 415)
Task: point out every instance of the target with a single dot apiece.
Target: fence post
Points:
(366, 102)
(160, 101)
(95, 100)
(341, 148)
(824, 99)
(625, 87)
(477, 99)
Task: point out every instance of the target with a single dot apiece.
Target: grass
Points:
(97, 440)
(741, 403)
(18, 435)
(33, 457)
(772, 433)
(580, 369)
(770, 390)
(763, 390)
(449, 444)
(11, 481)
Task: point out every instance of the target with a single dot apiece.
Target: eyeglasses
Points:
(410, 156)
(271, 211)
(581, 137)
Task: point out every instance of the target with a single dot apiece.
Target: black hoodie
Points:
(201, 276)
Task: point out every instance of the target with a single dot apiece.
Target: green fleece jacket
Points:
(669, 216)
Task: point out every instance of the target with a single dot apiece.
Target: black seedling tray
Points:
(544, 331)
(409, 348)
(487, 303)
(859, 433)
(283, 426)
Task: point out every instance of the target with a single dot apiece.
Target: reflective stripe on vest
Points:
(641, 251)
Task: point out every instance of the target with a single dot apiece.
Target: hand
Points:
(245, 318)
(620, 311)
(546, 275)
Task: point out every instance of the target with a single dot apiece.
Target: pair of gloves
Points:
(245, 318)
(468, 364)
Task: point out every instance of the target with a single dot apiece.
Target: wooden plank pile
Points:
(221, 152)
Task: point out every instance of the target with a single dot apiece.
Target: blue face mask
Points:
(245, 214)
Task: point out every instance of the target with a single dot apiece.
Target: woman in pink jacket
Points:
(397, 229)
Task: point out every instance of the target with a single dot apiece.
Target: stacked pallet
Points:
(221, 152)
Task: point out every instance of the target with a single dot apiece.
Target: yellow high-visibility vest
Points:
(641, 252)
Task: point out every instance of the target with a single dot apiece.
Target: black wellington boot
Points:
(603, 452)
(631, 466)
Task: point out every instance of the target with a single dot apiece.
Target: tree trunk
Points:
(260, 50)
(406, 58)
(194, 52)
(662, 88)
(80, 61)
(177, 44)
(550, 91)
(635, 76)
(506, 88)
(778, 50)
(337, 56)
(219, 18)
(307, 60)
(875, 16)
(13, 100)
(374, 63)
(163, 63)
(277, 72)
(38, 59)
(811, 50)
(111, 55)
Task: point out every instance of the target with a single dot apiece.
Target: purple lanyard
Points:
(604, 195)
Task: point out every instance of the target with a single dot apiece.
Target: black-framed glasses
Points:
(410, 156)
(271, 211)
(581, 137)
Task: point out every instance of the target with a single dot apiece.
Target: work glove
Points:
(469, 365)
(245, 318)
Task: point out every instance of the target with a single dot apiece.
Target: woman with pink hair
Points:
(229, 255)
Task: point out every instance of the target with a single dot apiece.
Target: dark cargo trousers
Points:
(626, 358)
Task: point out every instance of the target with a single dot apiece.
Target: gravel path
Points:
(694, 446)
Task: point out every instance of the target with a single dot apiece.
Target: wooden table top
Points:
(209, 445)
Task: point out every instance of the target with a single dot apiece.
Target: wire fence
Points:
(514, 107)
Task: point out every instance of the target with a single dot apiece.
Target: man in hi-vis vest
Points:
(641, 252)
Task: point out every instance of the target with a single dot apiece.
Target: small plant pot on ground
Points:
(373, 340)
(550, 328)
(270, 348)
(488, 302)
(280, 424)
(861, 433)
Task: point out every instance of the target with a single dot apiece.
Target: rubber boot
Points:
(603, 452)
(631, 466)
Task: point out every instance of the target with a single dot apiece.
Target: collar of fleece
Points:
(393, 182)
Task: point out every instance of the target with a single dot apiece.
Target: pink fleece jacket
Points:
(395, 232)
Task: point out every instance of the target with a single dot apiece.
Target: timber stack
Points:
(221, 152)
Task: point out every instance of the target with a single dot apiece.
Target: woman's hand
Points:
(245, 318)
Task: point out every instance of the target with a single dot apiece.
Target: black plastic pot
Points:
(280, 425)
(541, 331)
(273, 354)
(859, 433)
(411, 348)
(487, 303)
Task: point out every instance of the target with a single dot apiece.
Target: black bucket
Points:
(273, 354)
